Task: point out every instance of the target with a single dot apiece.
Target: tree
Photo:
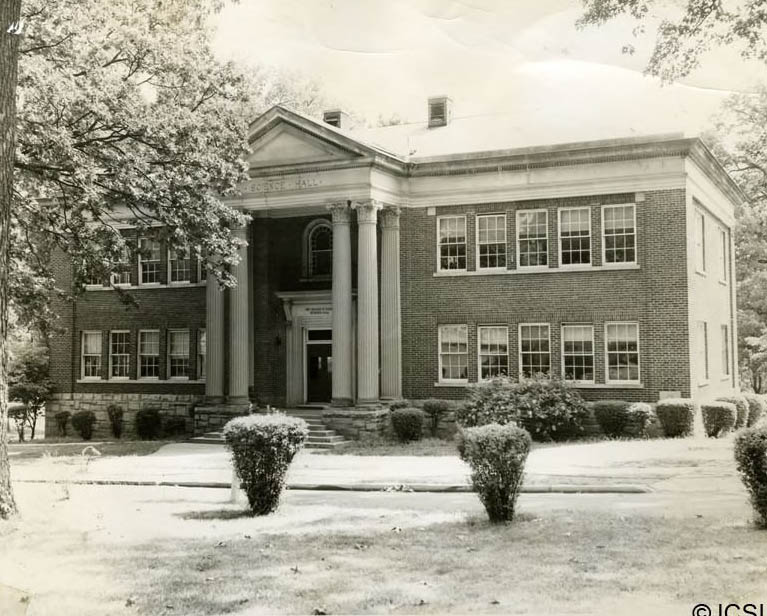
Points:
(696, 27)
(29, 384)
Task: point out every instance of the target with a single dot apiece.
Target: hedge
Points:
(676, 416)
(718, 417)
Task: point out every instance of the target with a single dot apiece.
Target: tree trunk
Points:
(10, 33)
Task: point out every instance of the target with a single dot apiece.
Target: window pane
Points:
(575, 236)
(452, 243)
(178, 354)
(180, 265)
(620, 234)
(532, 235)
(491, 237)
(493, 352)
(578, 352)
(622, 351)
(453, 355)
(119, 354)
(321, 251)
(535, 356)
(150, 261)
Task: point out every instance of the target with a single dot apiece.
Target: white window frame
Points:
(439, 353)
(519, 346)
(168, 355)
(111, 355)
(139, 355)
(170, 268)
(115, 276)
(313, 228)
(479, 351)
(593, 354)
(636, 236)
(201, 374)
(466, 243)
(724, 253)
(100, 354)
(700, 258)
(517, 240)
(726, 353)
(607, 355)
(505, 243)
(560, 211)
(140, 260)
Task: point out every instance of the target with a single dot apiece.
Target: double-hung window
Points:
(90, 355)
(178, 353)
(619, 234)
(578, 353)
(622, 344)
(700, 242)
(724, 251)
(491, 241)
(149, 261)
(493, 352)
(119, 355)
(201, 353)
(453, 353)
(149, 354)
(532, 238)
(725, 350)
(575, 236)
(179, 265)
(121, 273)
(451, 243)
(534, 350)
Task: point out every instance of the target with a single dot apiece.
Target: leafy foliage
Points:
(30, 384)
(115, 414)
(82, 422)
(148, 424)
(549, 409)
(497, 455)
(616, 417)
(741, 405)
(676, 416)
(263, 446)
(751, 461)
(719, 417)
(407, 424)
(62, 418)
(436, 409)
(173, 426)
(756, 408)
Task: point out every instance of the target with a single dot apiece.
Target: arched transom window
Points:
(320, 249)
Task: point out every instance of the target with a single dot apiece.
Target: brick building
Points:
(412, 260)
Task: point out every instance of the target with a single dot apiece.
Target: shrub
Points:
(756, 408)
(262, 448)
(174, 426)
(741, 405)
(751, 461)
(718, 417)
(435, 410)
(407, 424)
(640, 416)
(399, 404)
(115, 414)
(62, 417)
(496, 454)
(549, 409)
(676, 416)
(29, 382)
(148, 424)
(612, 416)
(83, 421)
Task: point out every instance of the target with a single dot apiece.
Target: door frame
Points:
(305, 355)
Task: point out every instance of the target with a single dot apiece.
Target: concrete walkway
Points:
(672, 464)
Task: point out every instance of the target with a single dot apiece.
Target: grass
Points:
(36, 449)
(387, 447)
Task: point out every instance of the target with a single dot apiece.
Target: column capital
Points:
(390, 217)
(340, 212)
(367, 211)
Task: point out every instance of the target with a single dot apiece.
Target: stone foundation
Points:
(212, 418)
(169, 405)
(358, 423)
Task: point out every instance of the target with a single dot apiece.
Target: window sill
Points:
(538, 270)
(460, 384)
(144, 381)
(700, 273)
(723, 283)
(152, 285)
(629, 385)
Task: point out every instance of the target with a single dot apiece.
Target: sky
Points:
(521, 57)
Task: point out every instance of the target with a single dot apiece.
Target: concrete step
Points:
(332, 445)
(325, 439)
(321, 432)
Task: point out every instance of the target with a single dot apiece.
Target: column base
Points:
(238, 400)
(214, 399)
(341, 402)
(368, 403)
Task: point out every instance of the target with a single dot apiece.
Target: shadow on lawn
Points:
(215, 514)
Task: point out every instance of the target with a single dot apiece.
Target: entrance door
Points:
(319, 366)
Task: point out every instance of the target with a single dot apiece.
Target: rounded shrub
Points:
(718, 417)
(82, 422)
(435, 410)
(676, 416)
(62, 418)
(751, 461)
(741, 405)
(756, 408)
(496, 454)
(174, 426)
(115, 414)
(399, 404)
(549, 409)
(407, 424)
(263, 446)
(148, 424)
(612, 416)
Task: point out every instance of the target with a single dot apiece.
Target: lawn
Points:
(387, 447)
(175, 551)
(36, 449)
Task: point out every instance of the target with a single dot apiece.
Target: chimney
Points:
(440, 111)
(337, 118)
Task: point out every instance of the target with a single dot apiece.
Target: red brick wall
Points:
(655, 295)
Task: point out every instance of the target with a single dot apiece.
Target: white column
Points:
(239, 318)
(391, 335)
(342, 305)
(214, 333)
(367, 302)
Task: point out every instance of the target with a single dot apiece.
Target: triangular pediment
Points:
(284, 144)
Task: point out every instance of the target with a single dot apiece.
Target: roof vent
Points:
(337, 118)
(440, 110)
